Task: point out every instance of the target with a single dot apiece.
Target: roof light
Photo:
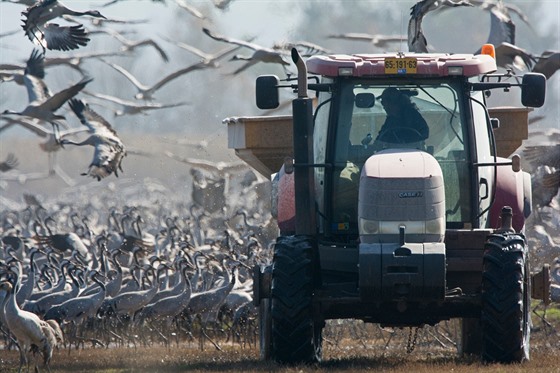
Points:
(455, 70)
(345, 71)
(489, 50)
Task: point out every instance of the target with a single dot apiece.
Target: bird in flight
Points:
(132, 107)
(260, 54)
(146, 92)
(416, 40)
(108, 147)
(51, 35)
(378, 40)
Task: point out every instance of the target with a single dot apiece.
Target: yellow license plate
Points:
(405, 65)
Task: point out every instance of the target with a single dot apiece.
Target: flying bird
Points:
(51, 35)
(42, 105)
(146, 92)
(132, 107)
(130, 45)
(377, 40)
(260, 54)
(416, 40)
(207, 58)
(109, 149)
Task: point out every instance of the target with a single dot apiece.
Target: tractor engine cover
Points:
(401, 213)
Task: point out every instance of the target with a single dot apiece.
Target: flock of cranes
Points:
(65, 279)
(135, 275)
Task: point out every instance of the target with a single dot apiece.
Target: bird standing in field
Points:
(51, 35)
(109, 149)
(29, 330)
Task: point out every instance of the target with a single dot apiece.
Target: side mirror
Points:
(533, 89)
(364, 100)
(267, 92)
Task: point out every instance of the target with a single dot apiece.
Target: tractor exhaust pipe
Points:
(302, 73)
(302, 110)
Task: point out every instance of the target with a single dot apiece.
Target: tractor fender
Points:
(285, 203)
(512, 189)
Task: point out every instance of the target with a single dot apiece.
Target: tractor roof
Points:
(391, 64)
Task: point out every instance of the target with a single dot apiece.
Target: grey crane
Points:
(131, 107)
(378, 40)
(207, 58)
(109, 149)
(206, 304)
(130, 45)
(76, 310)
(42, 105)
(146, 92)
(129, 303)
(50, 35)
(260, 54)
(416, 39)
(29, 330)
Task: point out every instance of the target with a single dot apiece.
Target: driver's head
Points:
(392, 98)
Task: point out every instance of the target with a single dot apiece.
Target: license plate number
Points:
(405, 65)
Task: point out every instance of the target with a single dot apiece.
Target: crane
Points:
(50, 35)
(109, 149)
(28, 329)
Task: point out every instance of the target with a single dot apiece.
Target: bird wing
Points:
(63, 38)
(548, 63)
(37, 90)
(54, 102)
(89, 118)
(35, 65)
(242, 43)
(127, 74)
(508, 54)
(543, 155)
(178, 73)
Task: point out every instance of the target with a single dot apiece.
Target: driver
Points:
(404, 123)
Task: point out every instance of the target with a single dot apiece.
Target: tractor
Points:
(393, 226)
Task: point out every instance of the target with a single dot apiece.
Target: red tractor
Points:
(401, 216)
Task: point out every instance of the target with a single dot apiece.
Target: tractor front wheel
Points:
(296, 336)
(505, 317)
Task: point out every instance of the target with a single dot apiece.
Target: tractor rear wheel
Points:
(505, 318)
(296, 336)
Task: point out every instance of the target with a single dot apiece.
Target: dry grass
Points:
(359, 353)
(233, 359)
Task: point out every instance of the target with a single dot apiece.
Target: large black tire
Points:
(505, 317)
(296, 336)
